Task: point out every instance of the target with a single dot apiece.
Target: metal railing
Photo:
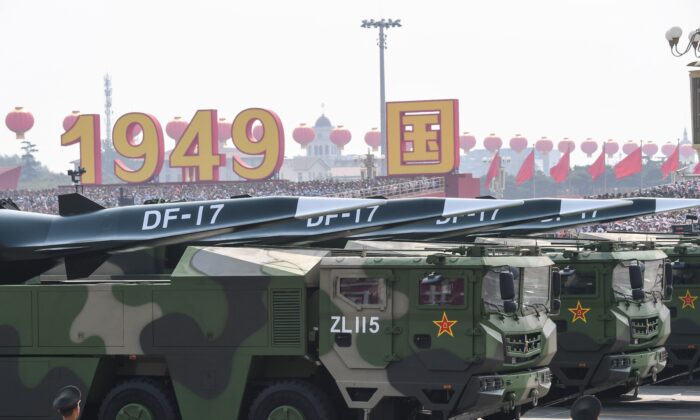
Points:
(402, 189)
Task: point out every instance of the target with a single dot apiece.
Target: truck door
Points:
(359, 317)
(581, 322)
(440, 321)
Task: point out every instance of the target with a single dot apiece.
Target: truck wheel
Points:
(138, 399)
(291, 400)
(506, 415)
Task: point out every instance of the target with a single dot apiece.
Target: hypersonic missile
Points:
(455, 228)
(85, 233)
(393, 213)
(638, 207)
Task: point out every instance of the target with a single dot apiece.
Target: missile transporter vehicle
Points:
(252, 333)
(613, 323)
(684, 343)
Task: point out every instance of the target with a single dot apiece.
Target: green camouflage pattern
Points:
(228, 321)
(604, 340)
(684, 343)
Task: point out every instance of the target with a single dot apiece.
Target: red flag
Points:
(493, 169)
(671, 163)
(630, 165)
(598, 167)
(560, 171)
(696, 170)
(527, 170)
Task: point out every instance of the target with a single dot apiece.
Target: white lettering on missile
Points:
(153, 218)
(330, 217)
(217, 208)
(362, 325)
(169, 216)
(371, 214)
(146, 218)
(199, 215)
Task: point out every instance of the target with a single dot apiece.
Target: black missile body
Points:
(85, 233)
(638, 207)
(397, 212)
(456, 228)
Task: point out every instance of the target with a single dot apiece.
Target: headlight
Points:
(491, 383)
(620, 363)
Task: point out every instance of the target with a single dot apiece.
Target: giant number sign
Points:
(197, 149)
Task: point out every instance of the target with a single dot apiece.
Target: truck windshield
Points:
(536, 286)
(652, 270)
(491, 289)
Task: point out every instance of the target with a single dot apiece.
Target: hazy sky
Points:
(593, 68)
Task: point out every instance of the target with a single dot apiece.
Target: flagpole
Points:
(605, 171)
(641, 173)
(534, 174)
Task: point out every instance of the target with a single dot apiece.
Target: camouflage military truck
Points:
(684, 342)
(267, 334)
(613, 321)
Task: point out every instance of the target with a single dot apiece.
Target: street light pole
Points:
(382, 24)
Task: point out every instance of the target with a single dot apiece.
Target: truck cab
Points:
(684, 343)
(613, 323)
(463, 331)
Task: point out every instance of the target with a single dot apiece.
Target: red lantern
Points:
(544, 145)
(303, 135)
(467, 142)
(223, 129)
(687, 151)
(611, 147)
(589, 147)
(175, 128)
(650, 149)
(667, 148)
(19, 122)
(258, 132)
(492, 143)
(70, 119)
(340, 136)
(518, 143)
(629, 147)
(566, 145)
(373, 138)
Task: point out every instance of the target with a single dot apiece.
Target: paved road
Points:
(654, 402)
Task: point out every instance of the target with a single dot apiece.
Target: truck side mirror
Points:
(507, 285)
(668, 273)
(636, 279)
(556, 305)
(668, 292)
(509, 306)
(556, 284)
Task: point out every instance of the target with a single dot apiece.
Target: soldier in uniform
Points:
(67, 402)
(586, 407)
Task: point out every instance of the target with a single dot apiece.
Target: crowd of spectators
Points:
(46, 201)
(654, 223)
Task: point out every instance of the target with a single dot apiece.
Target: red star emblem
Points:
(688, 300)
(444, 325)
(579, 312)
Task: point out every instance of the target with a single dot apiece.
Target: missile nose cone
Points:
(459, 206)
(316, 206)
(669, 204)
(580, 205)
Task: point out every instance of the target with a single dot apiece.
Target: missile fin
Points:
(73, 204)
